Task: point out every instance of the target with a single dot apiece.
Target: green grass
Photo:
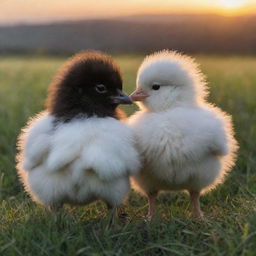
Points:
(230, 226)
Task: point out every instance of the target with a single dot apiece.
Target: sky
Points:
(36, 11)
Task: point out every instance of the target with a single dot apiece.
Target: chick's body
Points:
(81, 152)
(77, 162)
(179, 151)
(185, 143)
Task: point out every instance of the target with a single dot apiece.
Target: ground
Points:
(230, 224)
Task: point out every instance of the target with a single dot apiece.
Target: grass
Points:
(230, 228)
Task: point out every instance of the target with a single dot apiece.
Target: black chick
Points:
(77, 151)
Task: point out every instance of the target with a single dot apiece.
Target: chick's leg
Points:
(56, 210)
(112, 215)
(151, 205)
(195, 201)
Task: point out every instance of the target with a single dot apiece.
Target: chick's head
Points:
(89, 84)
(167, 79)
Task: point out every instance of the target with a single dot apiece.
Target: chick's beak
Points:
(121, 98)
(139, 95)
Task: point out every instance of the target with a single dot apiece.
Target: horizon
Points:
(43, 11)
(74, 20)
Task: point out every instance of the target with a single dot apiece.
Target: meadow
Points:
(230, 224)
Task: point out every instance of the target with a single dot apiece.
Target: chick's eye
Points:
(155, 87)
(100, 88)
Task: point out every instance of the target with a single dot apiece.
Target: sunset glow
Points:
(14, 11)
(235, 7)
(233, 4)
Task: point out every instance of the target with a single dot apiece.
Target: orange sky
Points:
(12, 11)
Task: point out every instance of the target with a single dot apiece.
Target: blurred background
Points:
(134, 26)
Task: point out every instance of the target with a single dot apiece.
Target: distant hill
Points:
(144, 33)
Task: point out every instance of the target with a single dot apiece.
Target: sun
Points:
(232, 4)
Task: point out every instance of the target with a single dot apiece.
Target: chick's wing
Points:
(34, 141)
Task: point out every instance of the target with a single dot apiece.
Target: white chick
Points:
(185, 142)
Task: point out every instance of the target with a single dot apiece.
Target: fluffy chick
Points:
(185, 142)
(78, 150)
